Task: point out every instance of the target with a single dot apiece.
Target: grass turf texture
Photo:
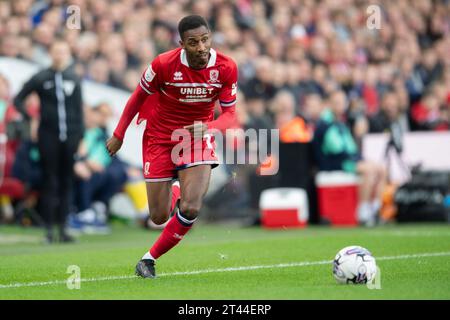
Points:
(109, 262)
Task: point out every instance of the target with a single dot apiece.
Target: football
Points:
(354, 264)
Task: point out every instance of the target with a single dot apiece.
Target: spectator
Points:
(8, 115)
(293, 128)
(390, 114)
(312, 109)
(27, 169)
(10, 188)
(99, 71)
(336, 149)
(259, 117)
(427, 114)
(60, 131)
(261, 87)
(98, 176)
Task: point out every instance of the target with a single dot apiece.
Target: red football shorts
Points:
(161, 161)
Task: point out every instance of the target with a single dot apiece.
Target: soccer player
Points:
(184, 85)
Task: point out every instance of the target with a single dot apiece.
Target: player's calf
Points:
(162, 208)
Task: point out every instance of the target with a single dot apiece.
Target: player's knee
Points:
(190, 209)
(159, 219)
(159, 215)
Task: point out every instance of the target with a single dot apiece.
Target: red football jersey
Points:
(182, 95)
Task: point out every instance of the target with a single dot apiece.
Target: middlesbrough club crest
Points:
(213, 75)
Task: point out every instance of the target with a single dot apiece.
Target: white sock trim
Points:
(147, 255)
(184, 219)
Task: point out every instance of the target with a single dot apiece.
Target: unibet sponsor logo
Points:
(196, 91)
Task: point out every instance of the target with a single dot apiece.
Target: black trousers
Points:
(57, 160)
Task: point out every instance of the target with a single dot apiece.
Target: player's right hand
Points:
(113, 145)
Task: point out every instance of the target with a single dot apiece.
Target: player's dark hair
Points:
(191, 22)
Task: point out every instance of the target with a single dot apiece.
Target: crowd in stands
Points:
(303, 46)
(296, 59)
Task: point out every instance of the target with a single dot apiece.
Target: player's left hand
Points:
(113, 145)
(198, 129)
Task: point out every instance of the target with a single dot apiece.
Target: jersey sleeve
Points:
(149, 79)
(227, 96)
(148, 85)
(132, 107)
(227, 100)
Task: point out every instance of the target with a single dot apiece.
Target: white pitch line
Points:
(230, 269)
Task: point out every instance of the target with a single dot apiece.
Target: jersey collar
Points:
(211, 62)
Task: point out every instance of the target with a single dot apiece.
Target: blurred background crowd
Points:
(309, 48)
(296, 58)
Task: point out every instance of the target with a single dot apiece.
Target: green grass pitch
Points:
(227, 262)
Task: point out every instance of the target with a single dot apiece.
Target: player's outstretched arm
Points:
(131, 109)
(148, 85)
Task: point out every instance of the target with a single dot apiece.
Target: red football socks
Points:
(174, 231)
(176, 192)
